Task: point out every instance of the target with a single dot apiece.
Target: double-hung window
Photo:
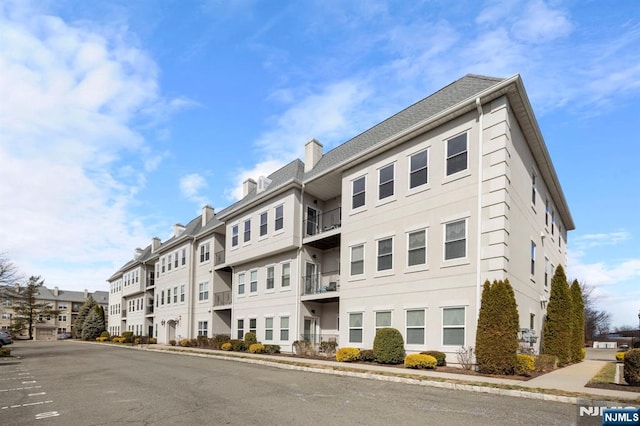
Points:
(241, 283)
(184, 257)
(279, 215)
(286, 274)
(533, 259)
(383, 319)
(455, 243)
(415, 327)
(182, 293)
(358, 192)
(284, 329)
(168, 296)
(169, 263)
(175, 262)
(204, 252)
(263, 224)
(268, 328)
(355, 327)
(418, 169)
(357, 260)
(175, 294)
(253, 325)
(203, 291)
(253, 284)
(386, 181)
(453, 320)
(240, 334)
(385, 254)
(546, 272)
(417, 247)
(234, 236)
(457, 154)
(270, 278)
(247, 231)
(203, 328)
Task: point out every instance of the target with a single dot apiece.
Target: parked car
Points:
(62, 336)
(5, 338)
(624, 346)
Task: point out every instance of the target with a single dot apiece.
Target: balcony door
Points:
(313, 215)
(311, 278)
(310, 329)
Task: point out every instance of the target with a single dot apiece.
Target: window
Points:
(247, 230)
(284, 329)
(182, 293)
(355, 327)
(168, 296)
(457, 154)
(415, 327)
(253, 284)
(546, 272)
(204, 252)
(157, 270)
(286, 274)
(553, 222)
(203, 328)
(417, 248)
(385, 181)
(169, 263)
(385, 254)
(279, 217)
(533, 189)
(270, 277)
(253, 325)
(358, 192)
(533, 258)
(453, 326)
(175, 264)
(203, 291)
(162, 297)
(184, 257)
(268, 328)
(175, 295)
(240, 329)
(61, 306)
(357, 260)
(234, 235)
(62, 318)
(163, 264)
(532, 321)
(383, 319)
(240, 283)
(418, 171)
(455, 243)
(263, 224)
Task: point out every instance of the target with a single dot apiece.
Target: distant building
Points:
(398, 227)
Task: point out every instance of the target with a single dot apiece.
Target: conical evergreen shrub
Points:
(577, 334)
(558, 324)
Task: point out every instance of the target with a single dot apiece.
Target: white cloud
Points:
(539, 23)
(190, 187)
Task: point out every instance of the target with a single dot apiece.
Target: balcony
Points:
(321, 286)
(323, 230)
(151, 280)
(149, 310)
(219, 258)
(222, 298)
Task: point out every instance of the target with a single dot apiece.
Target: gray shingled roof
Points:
(72, 296)
(456, 92)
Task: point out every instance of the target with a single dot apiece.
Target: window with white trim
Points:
(163, 264)
(355, 327)
(383, 319)
(240, 331)
(241, 283)
(203, 291)
(357, 260)
(168, 296)
(358, 192)
(253, 325)
(253, 284)
(175, 294)
(234, 236)
(176, 260)
(386, 181)
(203, 328)
(204, 252)
(169, 262)
(279, 215)
(457, 155)
(453, 323)
(533, 188)
(385, 254)
(270, 278)
(455, 242)
(182, 293)
(418, 169)
(415, 327)
(546, 271)
(284, 329)
(417, 247)
(286, 275)
(547, 208)
(533, 259)
(247, 231)
(184, 257)
(268, 328)
(263, 224)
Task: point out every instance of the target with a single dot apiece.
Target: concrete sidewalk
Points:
(569, 380)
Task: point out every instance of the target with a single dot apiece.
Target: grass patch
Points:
(607, 374)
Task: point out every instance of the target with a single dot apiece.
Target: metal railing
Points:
(219, 258)
(222, 298)
(323, 222)
(321, 283)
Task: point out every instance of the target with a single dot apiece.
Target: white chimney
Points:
(155, 244)
(312, 154)
(207, 214)
(248, 186)
(86, 293)
(55, 291)
(178, 229)
(137, 253)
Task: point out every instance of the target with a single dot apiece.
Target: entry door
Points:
(310, 334)
(311, 278)
(312, 221)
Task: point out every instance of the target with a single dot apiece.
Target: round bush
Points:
(348, 354)
(632, 367)
(226, 346)
(440, 356)
(388, 346)
(257, 348)
(250, 338)
(525, 365)
(420, 361)
(367, 355)
(620, 356)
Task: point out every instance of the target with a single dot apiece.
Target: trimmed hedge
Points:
(620, 356)
(238, 345)
(256, 348)
(420, 361)
(388, 346)
(348, 354)
(439, 356)
(250, 338)
(216, 341)
(632, 367)
(525, 365)
(226, 346)
(545, 363)
(271, 349)
(367, 355)
(128, 336)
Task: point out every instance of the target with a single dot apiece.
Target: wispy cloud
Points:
(191, 187)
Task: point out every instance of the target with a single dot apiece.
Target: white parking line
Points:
(31, 381)
(37, 394)
(6, 407)
(47, 415)
(22, 388)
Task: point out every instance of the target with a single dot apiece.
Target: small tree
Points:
(27, 310)
(577, 332)
(84, 311)
(93, 324)
(558, 324)
(388, 346)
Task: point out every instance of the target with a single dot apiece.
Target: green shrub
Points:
(367, 355)
(216, 341)
(5, 352)
(544, 363)
(172, 342)
(136, 341)
(250, 339)
(632, 367)
(153, 341)
(271, 349)
(388, 346)
(558, 324)
(226, 346)
(257, 348)
(238, 345)
(420, 361)
(128, 336)
(329, 347)
(439, 356)
(105, 334)
(636, 345)
(620, 356)
(348, 354)
(202, 341)
(525, 365)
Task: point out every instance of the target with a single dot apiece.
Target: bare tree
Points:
(8, 271)
(596, 322)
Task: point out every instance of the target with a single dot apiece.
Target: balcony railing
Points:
(317, 338)
(323, 222)
(321, 283)
(219, 257)
(222, 298)
(149, 310)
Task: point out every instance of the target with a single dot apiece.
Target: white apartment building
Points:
(398, 227)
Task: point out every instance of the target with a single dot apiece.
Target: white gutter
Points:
(479, 233)
(299, 256)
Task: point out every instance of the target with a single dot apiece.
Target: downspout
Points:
(192, 287)
(479, 233)
(299, 256)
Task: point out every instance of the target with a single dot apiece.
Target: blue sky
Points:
(119, 119)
